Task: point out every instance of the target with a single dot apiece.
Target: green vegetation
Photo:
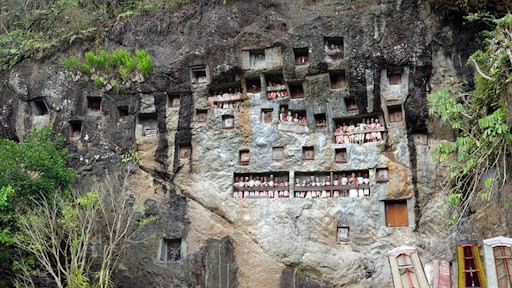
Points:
(482, 146)
(33, 168)
(33, 29)
(111, 68)
(497, 7)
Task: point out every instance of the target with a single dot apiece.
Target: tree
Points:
(36, 166)
(79, 241)
(483, 134)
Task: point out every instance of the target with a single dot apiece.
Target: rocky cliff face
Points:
(391, 54)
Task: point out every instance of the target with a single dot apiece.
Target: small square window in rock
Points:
(342, 234)
(170, 250)
(267, 115)
(338, 79)
(149, 124)
(394, 75)
(301, 56)
(185, 151)
(173, 101)
(396, 213)
(382, 175)
(228, 121)
(420, 138)
(333, 48)
(198, 75)
(320, 120)
(122, 114)
(201, 115)
(75, 130)
(245, 157)
(253, 85)
(341, 155)
(277, 153)
(395, 114)
(351, 104)
(308, 153)
(296, 90)
(93, 105)
(39, 107)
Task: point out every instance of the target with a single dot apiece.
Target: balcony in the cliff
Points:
(359, 129)
(261, 185)
(296, 90)
(276, 87)
(333, 49)
(148, 124)
(93, 106)
(75, 130)
(301, 56)
(262, 58)
(338, 79)
(199, 75)
(332, 184)
(292, 121)
(253, 85)
(226, 96)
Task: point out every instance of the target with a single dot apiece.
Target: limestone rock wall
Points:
(393, 54)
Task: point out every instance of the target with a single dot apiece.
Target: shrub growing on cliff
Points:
(484, 139)
(106, 69)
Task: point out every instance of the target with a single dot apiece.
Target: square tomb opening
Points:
(308, 153)
(253, 85)
(420, 138)
(198, 75)
(244, 157)
(257, 58)
(342, 235)
(382, 175)
(170, 250)
(148, 123)
(185, 151)
(122, 114)
(173, 100)
(338, 79)
(267, 116)
(201, 115)
(341, 155)
(396, 213)
(39, 107)
(296, 90)
(301, 56)
(320, 120)
(277, 153)
(228, 121)
(75, 130)
(276, 87)
(351, 104)
(93, 105)
(333, 48)
(395, 114)
(394, 75)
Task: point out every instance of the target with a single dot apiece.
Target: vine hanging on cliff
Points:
(479, 118)
(111, 70)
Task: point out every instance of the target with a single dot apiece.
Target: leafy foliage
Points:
(480, 122)
(108, 69)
